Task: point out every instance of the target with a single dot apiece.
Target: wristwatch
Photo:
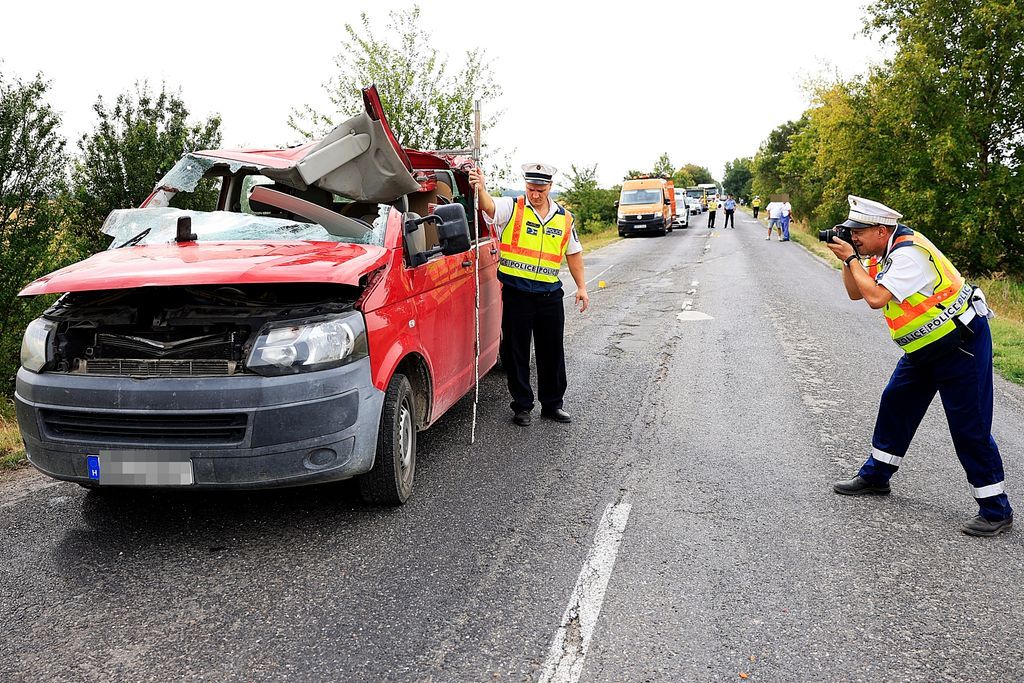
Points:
(848, 259)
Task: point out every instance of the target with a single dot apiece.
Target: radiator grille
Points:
(145, 430)
(142, 368)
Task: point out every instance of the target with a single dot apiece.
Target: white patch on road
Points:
(569, 647)
(694, 283)
(687, 316)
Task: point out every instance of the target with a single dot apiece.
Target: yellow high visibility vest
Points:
(922, 319)
(531, 249)
(712, 205)
(757, 204)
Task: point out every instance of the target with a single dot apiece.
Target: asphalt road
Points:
(719, 385)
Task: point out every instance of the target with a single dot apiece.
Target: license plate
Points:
(141, 468)
(640, 226)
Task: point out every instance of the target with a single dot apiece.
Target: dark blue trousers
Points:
(540, 317)
(963, 379)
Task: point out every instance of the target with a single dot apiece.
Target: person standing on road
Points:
(786, 215)
(941, 323)
(730, 210)
(774, 218)
(756, 205)
(535, 234)
(712, 209)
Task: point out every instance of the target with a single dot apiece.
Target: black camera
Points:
(842, 232)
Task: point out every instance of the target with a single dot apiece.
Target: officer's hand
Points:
(476, 179)
(582, 299)
(842, 250)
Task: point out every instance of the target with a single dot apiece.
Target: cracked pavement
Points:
(725, 429)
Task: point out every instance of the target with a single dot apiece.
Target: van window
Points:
(641, 197)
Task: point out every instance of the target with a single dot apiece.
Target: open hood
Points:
(208, 263)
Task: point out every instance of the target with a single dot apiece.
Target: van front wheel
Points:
(394, 469)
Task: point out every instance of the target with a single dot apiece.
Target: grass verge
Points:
(606, 234)
(1005, 296)
(12, 455)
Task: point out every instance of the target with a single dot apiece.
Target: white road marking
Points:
(569, 647)
(589, 281)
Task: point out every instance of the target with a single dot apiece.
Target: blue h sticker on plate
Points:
(94, 466)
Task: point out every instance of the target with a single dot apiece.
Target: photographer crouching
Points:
(941, 323)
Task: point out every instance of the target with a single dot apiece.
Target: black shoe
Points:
(859, 486)
(979, 526)
(556, 414)
(522, 418)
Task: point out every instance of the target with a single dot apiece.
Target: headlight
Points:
(283, 349)
(35, 345)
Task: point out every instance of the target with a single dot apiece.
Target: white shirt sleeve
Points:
(502, 213)
(574, 246)
(908, 270)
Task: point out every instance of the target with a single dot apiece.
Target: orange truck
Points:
(646, 205)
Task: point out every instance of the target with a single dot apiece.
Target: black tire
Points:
(660, 233)
(394, 469)
(621, 234)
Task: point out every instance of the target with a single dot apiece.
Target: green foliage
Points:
(427, 106)
(936, 132)
(663, 166)
(699, 174)
(133, 144)
(682, 178)
(738, 177)
(33, 164)
(591, 205)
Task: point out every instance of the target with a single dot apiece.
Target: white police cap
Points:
(865, 213)
(538, 174)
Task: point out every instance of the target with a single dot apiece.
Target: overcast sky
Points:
(584, 83)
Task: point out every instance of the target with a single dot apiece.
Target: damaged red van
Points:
(267, 318)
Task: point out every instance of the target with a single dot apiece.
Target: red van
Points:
(267, 318)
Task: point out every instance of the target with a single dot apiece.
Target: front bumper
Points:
(216, 432)
(632, 225)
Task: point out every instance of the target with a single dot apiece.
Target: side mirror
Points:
(452, 232)
(616, 203)
(452, 229)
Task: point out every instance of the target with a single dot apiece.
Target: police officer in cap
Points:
(536, 234)
(941, 323)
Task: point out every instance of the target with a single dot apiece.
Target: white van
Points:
(682, 215)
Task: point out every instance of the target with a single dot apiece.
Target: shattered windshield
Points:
(192, 189)
(159, 226)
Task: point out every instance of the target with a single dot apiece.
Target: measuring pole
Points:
(476, 269)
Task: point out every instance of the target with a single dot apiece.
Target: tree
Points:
(682, 178)
(33, 164)
(426, 106)
(134, 143)
(663, 166)
(958, 76)
(590, 204)
(700, 174)
(738, 177)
